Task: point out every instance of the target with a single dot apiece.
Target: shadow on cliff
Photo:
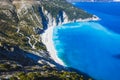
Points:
(16, 54)
(45, 60)
(26, 58)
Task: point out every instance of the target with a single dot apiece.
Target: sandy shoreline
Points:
(48, 35)
(47, 40)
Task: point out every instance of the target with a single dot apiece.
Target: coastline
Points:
(48, 41)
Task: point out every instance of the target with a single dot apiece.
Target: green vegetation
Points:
(8, 67)
(55, 6)
(40, 73)
(53, 75)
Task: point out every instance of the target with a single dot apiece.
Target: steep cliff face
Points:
(22, 23)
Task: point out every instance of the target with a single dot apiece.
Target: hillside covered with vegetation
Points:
(21, 48)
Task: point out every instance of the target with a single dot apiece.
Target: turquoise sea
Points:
(92, 47)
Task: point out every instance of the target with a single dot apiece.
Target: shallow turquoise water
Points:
(91, 47)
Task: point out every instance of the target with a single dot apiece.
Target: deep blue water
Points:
(92, 47)
(108, 12)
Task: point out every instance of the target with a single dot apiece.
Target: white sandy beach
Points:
(47, 40)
